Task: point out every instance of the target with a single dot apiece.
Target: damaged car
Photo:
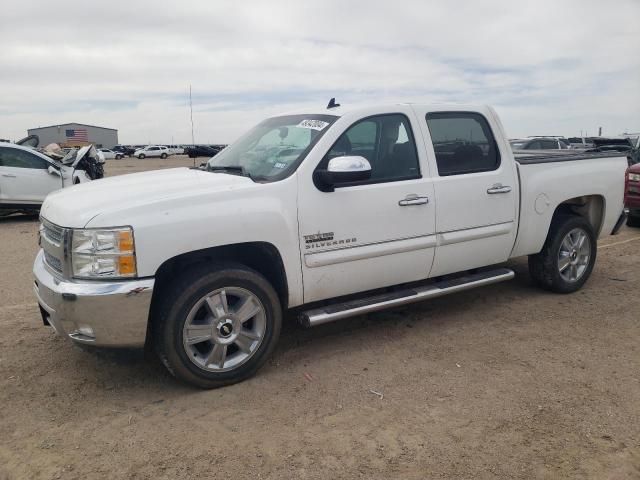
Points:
(28, 174)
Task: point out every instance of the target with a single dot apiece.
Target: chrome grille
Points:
(52, 241)
(53, 262)
(53, 232)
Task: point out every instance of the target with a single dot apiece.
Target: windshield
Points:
(274, 148)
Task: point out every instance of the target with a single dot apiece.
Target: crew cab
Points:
(28, 176)
(327, 214)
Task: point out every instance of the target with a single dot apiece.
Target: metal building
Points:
(76, 135)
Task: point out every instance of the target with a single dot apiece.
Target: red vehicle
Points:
(632, 195)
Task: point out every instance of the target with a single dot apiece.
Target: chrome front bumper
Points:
(113, 314)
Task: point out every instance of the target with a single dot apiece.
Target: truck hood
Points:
(74, 207)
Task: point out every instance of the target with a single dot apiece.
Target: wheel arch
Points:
(262, 257)
(590, 207)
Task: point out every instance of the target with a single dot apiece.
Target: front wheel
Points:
(217, 326)
(567, 257)
(141, 156)
(118, 157)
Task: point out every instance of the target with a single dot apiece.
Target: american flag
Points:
(77, 134)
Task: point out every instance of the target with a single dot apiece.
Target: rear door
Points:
(24, 177)
(476, 189)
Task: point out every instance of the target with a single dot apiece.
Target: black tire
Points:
(633, 221)
(544, 268)
(118, 157)
(182, 294)
(141, 156)
(163, 156)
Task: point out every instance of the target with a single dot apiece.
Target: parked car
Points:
(110, 154)
(331, 214)
(617, 144)
(632, 195)
(27, 176)
(152, 151)
(176, 149)
(634, 139)
(125, 150)
(580, 142)
(195, 151)
(540, 143)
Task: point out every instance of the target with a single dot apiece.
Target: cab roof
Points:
(347, 109)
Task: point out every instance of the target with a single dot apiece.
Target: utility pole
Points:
(193, 142)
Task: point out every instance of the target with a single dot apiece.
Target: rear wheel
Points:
(163, 156)
(567, 257)
(217, 326)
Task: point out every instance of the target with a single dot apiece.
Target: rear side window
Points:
(12, 157)
(463, 143)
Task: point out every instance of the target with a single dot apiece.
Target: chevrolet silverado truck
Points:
(325, 214)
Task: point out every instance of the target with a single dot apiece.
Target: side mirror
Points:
(342, 170)
(53, 170)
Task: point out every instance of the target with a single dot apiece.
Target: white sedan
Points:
(110, 154)
(27, 176)
(152, 151)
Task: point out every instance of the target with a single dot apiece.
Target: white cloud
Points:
(548, 67)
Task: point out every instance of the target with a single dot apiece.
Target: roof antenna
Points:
(333, 104)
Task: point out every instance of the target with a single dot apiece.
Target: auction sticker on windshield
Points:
(313, 124)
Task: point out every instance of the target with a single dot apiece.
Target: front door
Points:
(375, 233)
(476, 190)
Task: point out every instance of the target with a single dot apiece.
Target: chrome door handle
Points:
(8, 175)
(413, 199)
(498, 188)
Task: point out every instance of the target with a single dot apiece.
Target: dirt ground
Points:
(506, 381)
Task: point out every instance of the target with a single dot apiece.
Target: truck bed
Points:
(547, 179)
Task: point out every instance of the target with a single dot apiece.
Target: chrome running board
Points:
(338, 311)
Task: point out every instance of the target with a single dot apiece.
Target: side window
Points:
(550, 144)
(535, 145)
(12, 157)
(386, 141)
(463, 143)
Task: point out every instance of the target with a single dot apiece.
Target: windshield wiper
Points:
(231, 169)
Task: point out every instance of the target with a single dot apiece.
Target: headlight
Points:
(103, 253)
(634, 177)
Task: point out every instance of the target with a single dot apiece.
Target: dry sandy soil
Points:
(501, 382)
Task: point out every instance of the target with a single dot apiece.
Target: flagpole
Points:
(193, 142)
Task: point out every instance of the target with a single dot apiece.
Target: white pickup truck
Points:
(329, 214)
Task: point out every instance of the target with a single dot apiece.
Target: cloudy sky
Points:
(549, 67)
